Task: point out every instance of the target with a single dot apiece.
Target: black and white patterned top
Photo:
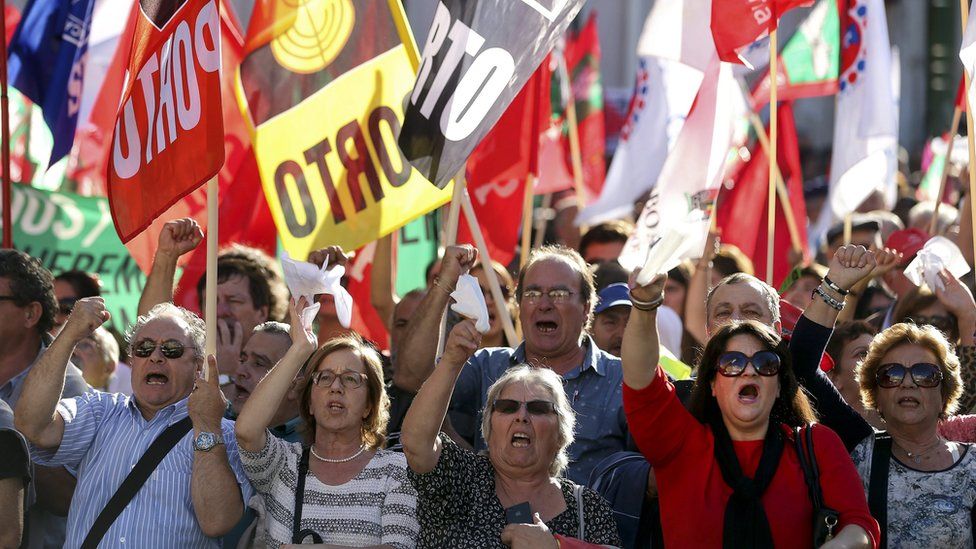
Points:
(926, 508)
(376, 507)
(457, 505)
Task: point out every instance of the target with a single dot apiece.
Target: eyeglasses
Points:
(170, 348)
(733, 363)
(533, 407)
(924, 374)
(942, 323)
(349, 379)
(65, 306)
(555, 295)
(8, 298)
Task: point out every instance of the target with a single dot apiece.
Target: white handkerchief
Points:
(937, 253)
(308, 280)
(676, 244)
(470, 302)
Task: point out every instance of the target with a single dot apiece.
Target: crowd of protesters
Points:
(833, 414)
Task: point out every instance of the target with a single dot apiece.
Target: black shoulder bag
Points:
(297, 534)
(825, 519)
(878, 484)
(135, 480)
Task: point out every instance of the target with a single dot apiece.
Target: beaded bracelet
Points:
(833, 303)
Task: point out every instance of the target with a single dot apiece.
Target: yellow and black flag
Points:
(322, 85)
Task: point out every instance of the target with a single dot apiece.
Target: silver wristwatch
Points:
(204, 442)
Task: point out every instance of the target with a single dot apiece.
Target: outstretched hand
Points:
(850, 264)
(652, 291)
(956, 297)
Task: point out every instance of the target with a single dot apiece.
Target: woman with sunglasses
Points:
(514, 496)
(731, 456)
(922, 486)
(342, 489)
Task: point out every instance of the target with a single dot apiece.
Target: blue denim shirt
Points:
(594, 390)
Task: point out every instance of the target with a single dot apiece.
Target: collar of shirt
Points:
(8, 389)
(591, 359)
(170, 413)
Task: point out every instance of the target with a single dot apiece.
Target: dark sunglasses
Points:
(533, 407)
(924, 374)
(170, 348)
(733, 363)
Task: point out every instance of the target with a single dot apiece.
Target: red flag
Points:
(365, 320)
(961, 95)
(583, 61)
(747, 200)
(167, 141)
(500, 165)
(737, 23)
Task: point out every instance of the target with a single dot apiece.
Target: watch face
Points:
(205, 441)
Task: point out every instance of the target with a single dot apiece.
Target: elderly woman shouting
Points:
(512, 496)
(351, 493)
(730, 472)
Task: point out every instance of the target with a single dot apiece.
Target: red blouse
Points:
(693, 494)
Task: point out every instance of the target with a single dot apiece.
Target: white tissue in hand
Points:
(675, 244)
(470, 302)
(937, 253)
(308, 280)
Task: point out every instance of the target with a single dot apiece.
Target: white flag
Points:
(866, 119)
(679, 30)
(691, 175)
(968, 53)
(663, 93)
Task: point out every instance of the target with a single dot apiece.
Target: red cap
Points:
(908, 242)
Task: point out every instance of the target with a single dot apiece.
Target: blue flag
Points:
(47, 63)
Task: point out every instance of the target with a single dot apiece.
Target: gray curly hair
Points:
(196, 329)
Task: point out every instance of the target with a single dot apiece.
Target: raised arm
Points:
(959, 301)
(849, 266)
(419, 432)
(177, 238)
(216, 496)
(382, 293)
(415, 358)
(252, 423)
(34, 416)
(641, 349)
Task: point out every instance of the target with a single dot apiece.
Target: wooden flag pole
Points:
(493, 284)
(781, 192)
(773, 157)
(575, 152)
(527, 218)
(8, 225)
(210, 308)
(848, 222)
(953, 129)
(540, 223)
(964, 12)
(454, 214)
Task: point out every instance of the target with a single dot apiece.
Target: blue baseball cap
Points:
(611, 296)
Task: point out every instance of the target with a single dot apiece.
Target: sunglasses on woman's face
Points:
(170, 348)
(733, 363)
(924, 374)
(533, 407)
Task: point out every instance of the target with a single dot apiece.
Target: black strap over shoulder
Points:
(878, 485)
(297, 534)
(135, 480)
(803, 438)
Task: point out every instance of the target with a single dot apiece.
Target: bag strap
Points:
(878, 485)
(135, 480)
(297, 534)
(578, 494)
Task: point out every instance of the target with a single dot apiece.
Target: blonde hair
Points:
(553, 384)
(927, 337)
(374, 425)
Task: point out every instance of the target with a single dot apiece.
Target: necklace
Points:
(917, 456)
(342, 460)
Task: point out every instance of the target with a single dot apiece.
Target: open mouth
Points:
(241, 392)
(156, 379)
(521, 440)
(908, 401)
(749, 393)
(546, 326)
(336, 407)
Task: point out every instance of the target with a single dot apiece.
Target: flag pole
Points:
(964, 12)
(575, 152)
(493, 285)
(527, 218)
(773, 157)
(210, 308)
(540, 222)
(953, 129)
(8, 225)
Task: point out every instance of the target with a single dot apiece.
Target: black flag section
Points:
(478, 55)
